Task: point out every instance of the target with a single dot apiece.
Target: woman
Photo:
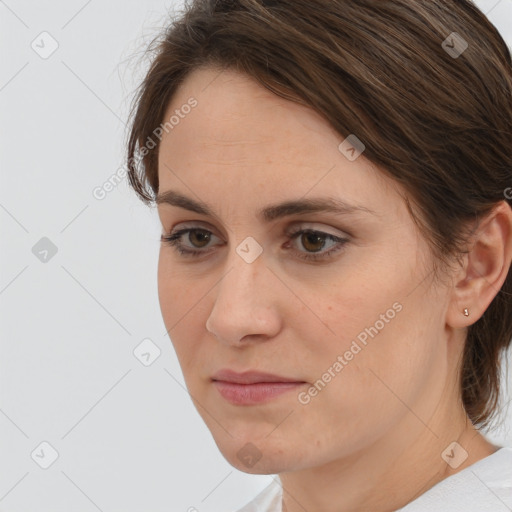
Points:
(333, 182)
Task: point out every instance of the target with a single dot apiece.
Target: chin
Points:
(261, 457)
(264, 466)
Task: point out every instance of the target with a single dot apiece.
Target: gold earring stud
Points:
(466, 312)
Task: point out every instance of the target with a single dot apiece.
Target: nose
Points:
(245, 308)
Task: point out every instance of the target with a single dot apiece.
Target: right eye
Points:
(199, 237)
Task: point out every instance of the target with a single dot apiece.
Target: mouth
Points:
(252, 387)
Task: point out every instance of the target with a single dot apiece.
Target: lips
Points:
(250, 377)
(252, 387)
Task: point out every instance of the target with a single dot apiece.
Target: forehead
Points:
(242, 136)
(235, 114)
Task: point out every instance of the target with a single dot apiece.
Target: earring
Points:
(466, 312)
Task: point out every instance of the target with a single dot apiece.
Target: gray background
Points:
(127, 435)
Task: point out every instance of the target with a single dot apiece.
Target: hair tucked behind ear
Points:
(440, 124)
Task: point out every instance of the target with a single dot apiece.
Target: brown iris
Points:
(202, 237)
(310, 239)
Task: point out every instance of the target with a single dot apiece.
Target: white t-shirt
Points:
(485, 486)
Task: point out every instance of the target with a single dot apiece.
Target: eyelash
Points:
(173, 240)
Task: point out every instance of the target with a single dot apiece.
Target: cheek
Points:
(169, 285)
(379, 330)
(364, 395)
(179, 289)
(356, 308)
(390, 358)
(182, 305)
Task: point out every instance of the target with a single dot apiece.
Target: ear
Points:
(486, 266)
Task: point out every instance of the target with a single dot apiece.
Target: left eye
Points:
(313, 241)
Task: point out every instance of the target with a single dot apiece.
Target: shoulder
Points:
(485, 486)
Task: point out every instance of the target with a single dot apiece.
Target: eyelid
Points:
(292, 227)
(313, 226)
(192, 225)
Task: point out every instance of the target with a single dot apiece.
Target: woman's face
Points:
(360, 329)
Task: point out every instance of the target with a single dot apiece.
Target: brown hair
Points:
(439, 124)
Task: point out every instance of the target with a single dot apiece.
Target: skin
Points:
(372, 439)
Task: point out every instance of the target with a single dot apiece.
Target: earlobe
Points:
(487, 264)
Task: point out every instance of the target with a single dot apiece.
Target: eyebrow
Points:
(272, 212)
